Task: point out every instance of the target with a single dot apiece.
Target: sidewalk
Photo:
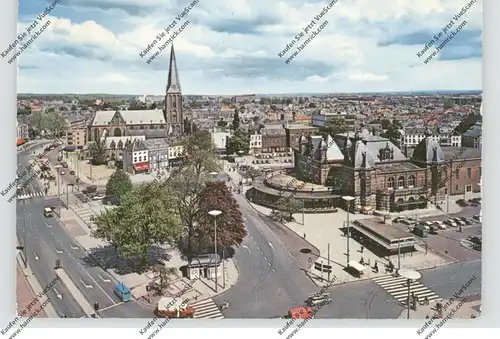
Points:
(137, 283)
(471, 307)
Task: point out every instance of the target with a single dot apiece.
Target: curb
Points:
(36, 288)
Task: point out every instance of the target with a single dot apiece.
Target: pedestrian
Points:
(362, 249)
(304, 236)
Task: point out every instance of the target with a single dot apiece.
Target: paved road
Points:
(47, 240)
(448, 280)
(270, 280)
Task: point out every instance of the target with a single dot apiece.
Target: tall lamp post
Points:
(348, 200)
(410, 276)
(215, 213)
(57, 167)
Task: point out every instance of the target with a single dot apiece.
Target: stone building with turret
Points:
(382, 177)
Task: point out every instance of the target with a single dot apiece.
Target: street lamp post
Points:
(215, 213)
(348, 200)
(410, 276)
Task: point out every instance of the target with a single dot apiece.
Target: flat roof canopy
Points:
(387, 236)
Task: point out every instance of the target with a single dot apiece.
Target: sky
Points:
(231, 47)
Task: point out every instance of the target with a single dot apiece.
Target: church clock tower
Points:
(173, 99)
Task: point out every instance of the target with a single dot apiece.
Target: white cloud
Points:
(231, 46)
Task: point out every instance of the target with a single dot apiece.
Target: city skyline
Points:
(375, 49)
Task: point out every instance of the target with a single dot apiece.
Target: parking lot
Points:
(447, 242)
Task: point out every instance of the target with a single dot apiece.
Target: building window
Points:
(411, 181)
(457, 173)
(456, 188)
(469, 173)
(480, 171)
(468, 188)
(401, 182)
(445, 191)
(390, 183)
(135, 159)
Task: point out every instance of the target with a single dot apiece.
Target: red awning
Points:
(20, 142)
(142, 166)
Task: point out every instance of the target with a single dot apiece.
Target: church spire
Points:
(173, 83)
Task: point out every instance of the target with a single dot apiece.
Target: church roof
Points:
(173, 83)
(141, 117)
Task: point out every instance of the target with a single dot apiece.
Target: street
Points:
(45, 241)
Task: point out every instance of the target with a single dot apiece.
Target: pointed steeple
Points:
(173, 83)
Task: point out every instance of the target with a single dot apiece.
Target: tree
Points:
(335, 125)
(118, 184)
(253, 173)
(164, 275)
(188, 182)
(221, 123)
(236, 120)
(230, 226)
(98, 152)
(239, 141)
(392, 132)
(286, 207)
(145, 217)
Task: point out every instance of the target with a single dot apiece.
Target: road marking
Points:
(100, 287)
(58, 251)
(272, 246)
(274, 270)
(269, 263)
(36, 256)
(73, 247)
(246, 247)
(265, 258)
(105, 280)
(262, 253)
(48, 225)
(58, 295)
(86, 286)
(107, 308)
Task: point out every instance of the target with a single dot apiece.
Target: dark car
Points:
(72, 172)
(462, 203)
(111, 201)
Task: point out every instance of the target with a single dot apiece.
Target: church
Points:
(120, 130)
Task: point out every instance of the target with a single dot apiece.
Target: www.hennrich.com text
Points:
(168, 34)
(34, 34)
(307, 31)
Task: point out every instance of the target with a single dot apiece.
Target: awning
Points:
(20, 142)
(357, 266)
(142, 166)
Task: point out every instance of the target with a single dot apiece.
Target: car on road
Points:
(440, 225)
(467, 221)
(98, 197)
(72, 172)
(399, 219)
(63, 173)
(450, 222)
(462, 203)
(407, 222)
(476, 216)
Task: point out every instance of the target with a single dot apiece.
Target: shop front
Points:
(141, 167)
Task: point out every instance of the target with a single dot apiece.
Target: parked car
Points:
(63, 173)
(72, 172)
(407, 222)
(98, 197)
(440, 225)
(399, 219)
(476, 217)
(462, 203)
(459, 221)
(450, 222)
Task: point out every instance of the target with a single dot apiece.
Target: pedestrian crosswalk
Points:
(30, 195)
(206, 309)
(398, 288)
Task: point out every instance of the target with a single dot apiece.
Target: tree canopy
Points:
(118, 184)
(335, 125)
(236, 120)
(230, 226)
(286, 207)
(238, 142)
(50, 122)
(145, 217)
(98, 152)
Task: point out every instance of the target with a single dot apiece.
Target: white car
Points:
(99, 197)
(63, 173)
(450, 222)
(440, 225)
